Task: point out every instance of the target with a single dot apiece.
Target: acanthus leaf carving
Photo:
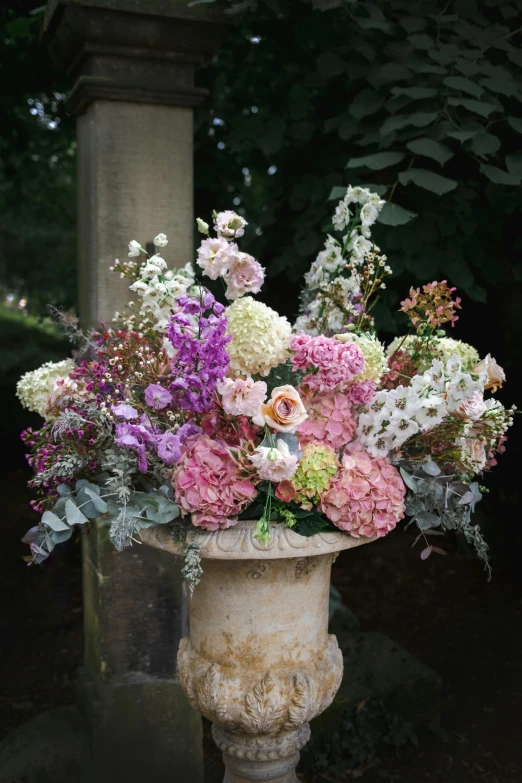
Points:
(264, 708)
(300, 706)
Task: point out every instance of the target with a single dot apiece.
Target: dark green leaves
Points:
(431, 149)
(365, 103)
(376, 162)
(330, 64)
(428, 180)
(499, 176)
(476, 107)
(462, 84)
(394, 215)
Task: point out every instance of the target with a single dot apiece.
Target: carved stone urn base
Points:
(259, 662)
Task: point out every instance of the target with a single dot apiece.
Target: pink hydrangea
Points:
(335, 364)
(361, 392)
(245, 276)
(366, 496)
(330, 419)
(208, 485)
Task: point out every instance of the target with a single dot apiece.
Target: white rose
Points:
(161, 240)
(472, 408)
(495, 374)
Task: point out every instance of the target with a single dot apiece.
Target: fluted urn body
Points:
(259, 662)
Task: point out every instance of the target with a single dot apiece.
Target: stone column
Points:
(132, 68)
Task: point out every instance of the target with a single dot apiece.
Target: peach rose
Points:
(284, 411)
(495, 374)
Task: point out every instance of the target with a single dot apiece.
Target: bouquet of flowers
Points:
(196, 413)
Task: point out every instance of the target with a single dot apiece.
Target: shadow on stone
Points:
(50, 748)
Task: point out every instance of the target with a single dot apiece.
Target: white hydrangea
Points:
(260, 337)
(35, 387)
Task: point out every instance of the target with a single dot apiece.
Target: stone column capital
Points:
(132, 51)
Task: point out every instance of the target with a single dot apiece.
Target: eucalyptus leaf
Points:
(99, 503)
(74, 514)
(431, 468)
(59, 536)
(409, 480)
(52, 521)
(64, 490)
(427, 519)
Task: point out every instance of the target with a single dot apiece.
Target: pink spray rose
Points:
(208, 485)
(361, 392)
(366, 496)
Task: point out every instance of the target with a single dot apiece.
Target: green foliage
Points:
(37, 170)
(421, 100)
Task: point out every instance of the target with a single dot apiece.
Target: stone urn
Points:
(259, 661)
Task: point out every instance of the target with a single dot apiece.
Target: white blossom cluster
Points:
(157, 286)
(395, 415)
(356, 213)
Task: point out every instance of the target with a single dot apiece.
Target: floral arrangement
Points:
(194, 412)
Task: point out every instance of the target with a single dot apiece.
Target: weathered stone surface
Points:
(49, 748)
(238, 542)
(259, 662)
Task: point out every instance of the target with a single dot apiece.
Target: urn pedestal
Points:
(259, 662)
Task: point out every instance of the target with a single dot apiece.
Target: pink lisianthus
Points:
(245, 276)
(361, 392)
(366, 496)
(330, 419)
(215, 257)
(274, 464)
(208, 485)
(242, 396)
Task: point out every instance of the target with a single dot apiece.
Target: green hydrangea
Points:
(317, 466)
(443, 349)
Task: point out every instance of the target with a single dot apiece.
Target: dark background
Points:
(422, 100)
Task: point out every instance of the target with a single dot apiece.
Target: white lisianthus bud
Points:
(161, 240)
(134, 249)
(202, 226)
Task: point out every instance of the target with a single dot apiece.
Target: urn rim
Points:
(238, 542)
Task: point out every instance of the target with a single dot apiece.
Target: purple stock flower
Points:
(157, 397)
(125, 410)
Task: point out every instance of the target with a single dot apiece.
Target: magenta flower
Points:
(157, 397)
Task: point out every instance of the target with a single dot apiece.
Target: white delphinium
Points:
(358, 247)
(159, 289)
(134, 249)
